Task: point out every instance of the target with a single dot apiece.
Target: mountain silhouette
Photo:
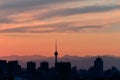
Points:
(80, 62)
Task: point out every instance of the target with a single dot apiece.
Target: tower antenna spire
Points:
(55, 45)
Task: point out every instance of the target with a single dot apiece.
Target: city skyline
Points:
(12, 70)
(82, 27)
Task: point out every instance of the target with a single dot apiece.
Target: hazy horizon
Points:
(67, 55)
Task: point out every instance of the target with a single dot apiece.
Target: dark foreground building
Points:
(63, 69)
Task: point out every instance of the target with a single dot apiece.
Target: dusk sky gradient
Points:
(82, 27)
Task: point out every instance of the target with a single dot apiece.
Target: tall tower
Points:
(56, 52)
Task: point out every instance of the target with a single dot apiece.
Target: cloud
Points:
(48, 11)
(5, 20)
(23, 5)
(74, 11)
(66, 27)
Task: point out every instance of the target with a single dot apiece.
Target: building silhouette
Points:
(31, 66)
(11, 70)
(63, 67)
(98, 65)
(13, 67)
(44, 66)
(3, 68)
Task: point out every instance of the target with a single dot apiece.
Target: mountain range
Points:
(80, 62)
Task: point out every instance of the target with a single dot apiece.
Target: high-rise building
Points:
(13, 67)
(31, 66)
(63, 67)
(98, 65)
(44, 66)
(3, 67)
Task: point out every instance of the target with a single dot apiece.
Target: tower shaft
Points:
(55, 59)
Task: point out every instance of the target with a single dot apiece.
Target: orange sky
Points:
(82, 28)
(68, 44)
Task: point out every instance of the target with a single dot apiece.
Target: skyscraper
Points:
(13, 67)
(3, 67)
(31, 66)
(98, 65)
(44, 66)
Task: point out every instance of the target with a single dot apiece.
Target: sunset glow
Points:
(82, 27)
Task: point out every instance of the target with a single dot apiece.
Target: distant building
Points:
(98, 65)
(44, 66)
(31, 66)
(63, 67)
(3, 67)
(13, 67)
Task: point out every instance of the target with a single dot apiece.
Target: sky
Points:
(81, 27)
